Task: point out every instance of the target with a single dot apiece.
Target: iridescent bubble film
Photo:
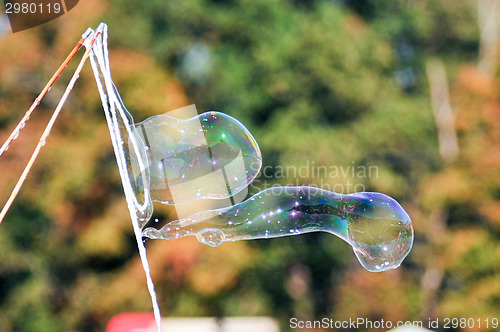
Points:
(375, 225)
(211, 156)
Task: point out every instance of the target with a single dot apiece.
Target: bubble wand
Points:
(89, 37)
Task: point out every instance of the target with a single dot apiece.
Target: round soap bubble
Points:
(375, 225)
(197, 151)
(174, 161)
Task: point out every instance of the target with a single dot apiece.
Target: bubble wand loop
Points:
(47, 130)
(117, 119)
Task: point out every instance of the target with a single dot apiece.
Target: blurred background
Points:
(408, 88)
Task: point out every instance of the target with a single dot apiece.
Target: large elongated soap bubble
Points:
(375, 225)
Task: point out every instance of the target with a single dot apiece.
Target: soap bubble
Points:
(175, 161)
(375, 225)
(211, 156)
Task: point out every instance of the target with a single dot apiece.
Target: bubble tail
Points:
(152, 233)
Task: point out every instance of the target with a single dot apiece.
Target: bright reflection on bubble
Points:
(375, 225)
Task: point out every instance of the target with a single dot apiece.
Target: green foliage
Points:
(340, 83)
